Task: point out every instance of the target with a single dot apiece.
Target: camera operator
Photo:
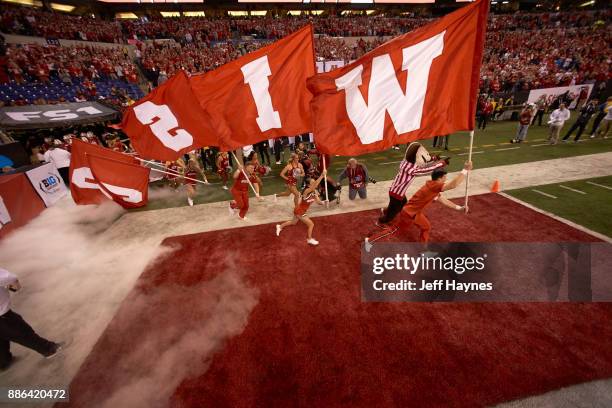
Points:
(357, 175)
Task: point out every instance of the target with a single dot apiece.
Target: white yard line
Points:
(543, 193)
(507, 148)
(560, 219)
(543, 144)
(599, 185)
(399, 161)
(466, 153)
(571, 189)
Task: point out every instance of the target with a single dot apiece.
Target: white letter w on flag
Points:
(385, 92)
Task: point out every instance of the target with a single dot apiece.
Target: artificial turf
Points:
(383, 165)
(592, 209)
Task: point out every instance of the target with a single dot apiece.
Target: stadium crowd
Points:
(523, 51)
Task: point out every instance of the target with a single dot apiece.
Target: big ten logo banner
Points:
(48, 183)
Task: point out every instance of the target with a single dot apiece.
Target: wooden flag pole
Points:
(170, 172)
(467, 178)
(245, 175)
(325, 181)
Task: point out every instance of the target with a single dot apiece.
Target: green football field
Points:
(586, 202)
(491, 148)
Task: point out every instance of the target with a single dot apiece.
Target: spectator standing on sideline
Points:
(602, 112)
(14, 329)
(524, 121)
(541, 108)
(605, 126)
(357, 174)
(486, 109)
(278, 149)
(262, 149)
(61, 159)
(583, 119)
(556, 120)
(438, 140)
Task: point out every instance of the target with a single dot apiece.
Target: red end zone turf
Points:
(310, 341)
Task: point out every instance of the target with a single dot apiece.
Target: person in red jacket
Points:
(413, 211)
(240, 190)
(524, 122)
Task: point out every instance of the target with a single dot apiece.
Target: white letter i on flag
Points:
(256, 74)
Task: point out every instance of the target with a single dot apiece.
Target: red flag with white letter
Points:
(419, 85)
(261, 95)
(126, 183)
(83, 186)
(168, 122)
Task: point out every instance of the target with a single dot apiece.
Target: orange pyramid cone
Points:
(495, 187)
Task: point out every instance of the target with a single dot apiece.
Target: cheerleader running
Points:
(309, 195)
(223, 168)
(176, 168)
(191, 173)
(291, 172)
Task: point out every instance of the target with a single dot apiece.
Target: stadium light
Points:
(62, 7)
(126, 16)
(31, 3)
(194, 14)
(170, 14)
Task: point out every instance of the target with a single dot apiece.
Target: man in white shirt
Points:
(61, 159)
(14, 329)
(556, 120)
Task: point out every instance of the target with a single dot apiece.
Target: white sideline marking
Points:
(560, 219)
(507, 148)
(543, 193)
(599, 185)
(543, 144)
(380, 164)
(466, 153)
(571, 189)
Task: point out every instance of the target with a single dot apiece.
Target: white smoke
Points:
(183, 337)
(77, 264)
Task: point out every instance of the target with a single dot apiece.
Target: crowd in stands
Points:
(523, 51)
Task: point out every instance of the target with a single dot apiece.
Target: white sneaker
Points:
(243, 218)
(592, 136)
(312, 241)
(190, 202)
(278, 229)
(278, 162)
(225, 188)
(231, 210)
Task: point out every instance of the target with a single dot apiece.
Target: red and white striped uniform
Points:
(407, 172)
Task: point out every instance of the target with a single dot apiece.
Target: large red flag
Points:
(421, 84)
(261, 95)
(168, 122)
(126, 183)
(84, 188)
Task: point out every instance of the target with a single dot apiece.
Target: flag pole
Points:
(325, 181)
(467, 177)
(245, 175)
(170, 172)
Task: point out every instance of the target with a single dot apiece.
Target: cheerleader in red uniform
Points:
(309, 196)
(176, 168)
(259, 171)
(223, 168)
(240, 190)
(290, 173)
(191, 175)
